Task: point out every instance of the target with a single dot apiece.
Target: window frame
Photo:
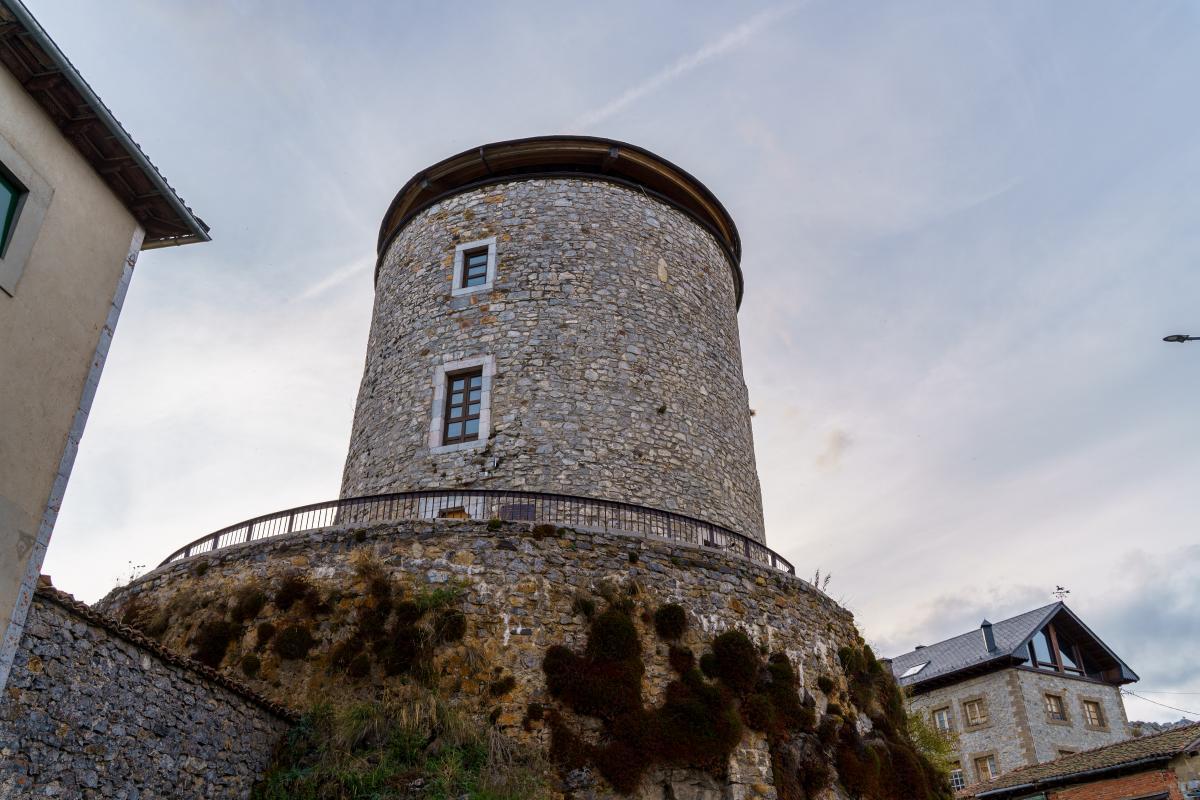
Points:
(956, 769)
(949, 711)
(442, 374)
(27, 217)
(1054, 705)
(1083, 713)
(993, 769)
(986, 720)
(469, 378)
(461, 252)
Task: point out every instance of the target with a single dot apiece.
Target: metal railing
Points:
(485, 504)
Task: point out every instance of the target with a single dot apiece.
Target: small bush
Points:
(342, 653)
(201, 569)
(681, 659)
(737, 661)
(708, 665)
(613, 637)
(825, 684)
(247, 602)
(379, 587)
(250, 665)
(294, 642)
(264, 632)
(502, 686)
(833, 709)
(633, 556)
(359, 666)
(292, 588)
(494, 524)
(451, 626)
(583, 607)
(211, 641)
(400, 651)
(437, 598)
(670, 621)
(543, 531)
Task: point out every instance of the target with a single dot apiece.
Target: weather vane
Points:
(1061, 592)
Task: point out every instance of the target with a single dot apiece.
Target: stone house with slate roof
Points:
(1019, 692)
(1163, 766)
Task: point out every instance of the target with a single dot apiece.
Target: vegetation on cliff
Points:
(410, 743)
(706, 709)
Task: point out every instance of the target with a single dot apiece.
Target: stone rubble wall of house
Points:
(1018, 731)
(519, 595)
(613, 324)
(90, 714)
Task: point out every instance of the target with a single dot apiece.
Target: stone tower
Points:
(559, 314)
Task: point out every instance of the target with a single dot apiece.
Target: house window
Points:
(474, 267)
(957, 779)
(975, 712)
(24, 199)
(464, 402)
(1055, 709)
(985, 767)
(942, 720)
(11, 195)
(1093, 714)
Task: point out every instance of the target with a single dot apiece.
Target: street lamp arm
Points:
(1180, 337)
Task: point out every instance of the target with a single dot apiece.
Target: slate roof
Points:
(1147, 751)
(968, 649)
(968, 652)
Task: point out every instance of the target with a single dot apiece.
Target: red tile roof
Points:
(1079, 767)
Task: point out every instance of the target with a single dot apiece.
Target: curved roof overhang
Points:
(565, 156)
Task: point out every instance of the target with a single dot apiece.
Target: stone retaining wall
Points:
(92, 710)
(520, 593)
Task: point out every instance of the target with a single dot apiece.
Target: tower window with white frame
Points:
(474, 267)
(464, 402)
(462, 398)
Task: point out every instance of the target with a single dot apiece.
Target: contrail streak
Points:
(736, 38)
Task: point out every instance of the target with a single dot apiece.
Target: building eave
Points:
(566, 156)
(42, 69)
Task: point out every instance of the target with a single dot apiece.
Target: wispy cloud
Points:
(738, 37)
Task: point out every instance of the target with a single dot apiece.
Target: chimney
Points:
(989, 640)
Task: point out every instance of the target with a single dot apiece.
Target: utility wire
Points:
(1149, 691)
(1155, 702)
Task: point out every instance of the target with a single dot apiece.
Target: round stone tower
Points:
(559, 315)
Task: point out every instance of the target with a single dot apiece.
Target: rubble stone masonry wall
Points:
(1019, 732)
(90, 713)
(519, 591)
(618, 373)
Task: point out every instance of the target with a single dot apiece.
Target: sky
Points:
(966, 227)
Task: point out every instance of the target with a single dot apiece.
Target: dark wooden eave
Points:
(40, 67)
(562, 156)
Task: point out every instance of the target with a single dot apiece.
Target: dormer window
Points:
(1053, 651)
(908, 673)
